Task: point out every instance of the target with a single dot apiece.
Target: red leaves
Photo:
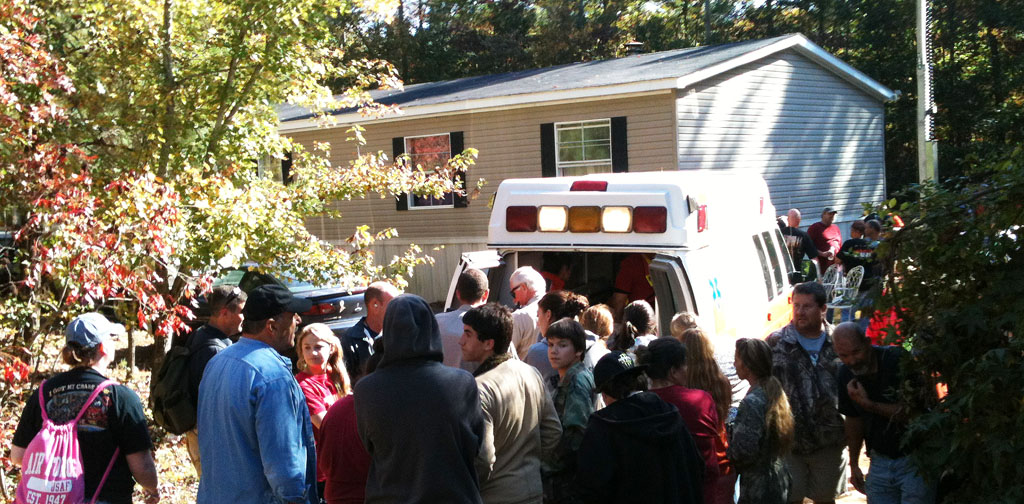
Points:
(16, 371)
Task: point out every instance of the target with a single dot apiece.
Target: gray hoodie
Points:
(420, 420)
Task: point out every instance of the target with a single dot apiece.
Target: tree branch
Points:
(169, 85)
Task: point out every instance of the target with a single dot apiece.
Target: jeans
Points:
(896, 481)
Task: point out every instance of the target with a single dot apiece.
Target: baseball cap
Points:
(614, 364)
(90, 329)
(828, 209)
(268, 301)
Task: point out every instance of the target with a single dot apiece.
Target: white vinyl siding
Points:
(817, 140)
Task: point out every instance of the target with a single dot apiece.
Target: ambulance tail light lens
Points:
(702, 218)
(650, 219)
(553, 219)
(585, 219)
(589, 185)
(617, 219)
(521, 219)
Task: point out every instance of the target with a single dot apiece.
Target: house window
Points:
(583, 147)
(431, 152)
(278, 170)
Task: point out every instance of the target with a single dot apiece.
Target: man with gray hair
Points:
(527, 287)
(869, 381)
(357, 343)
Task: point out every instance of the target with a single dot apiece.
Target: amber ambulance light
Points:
(589, 185)
(650, 219)
(552, 219)
(521, 219)
(616, 219)
(585, 219)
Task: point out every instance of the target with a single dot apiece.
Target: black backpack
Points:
(170, 395)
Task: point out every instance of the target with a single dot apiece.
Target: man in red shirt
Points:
(826, 236)
(632, 282)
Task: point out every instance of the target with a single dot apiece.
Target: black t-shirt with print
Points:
(799, 244)
(880, 434)
(861, 252)
(115, 419)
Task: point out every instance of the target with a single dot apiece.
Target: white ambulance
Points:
(714, 246)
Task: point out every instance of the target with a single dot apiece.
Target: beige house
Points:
(810, 124)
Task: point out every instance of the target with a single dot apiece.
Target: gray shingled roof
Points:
(636, 68)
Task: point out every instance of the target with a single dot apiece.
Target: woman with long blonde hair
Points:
(703, 373)
(763, 431)
(322, 376)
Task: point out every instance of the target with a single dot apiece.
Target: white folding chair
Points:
(832, 280)
(845, 297)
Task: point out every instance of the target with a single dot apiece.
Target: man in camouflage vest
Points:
(804, 360)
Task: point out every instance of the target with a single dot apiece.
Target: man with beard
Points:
(827, 237)
(804, 360)
(257, 443)
(869, 381)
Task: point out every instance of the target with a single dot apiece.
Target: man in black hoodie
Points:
(419, 420)
(636, 449)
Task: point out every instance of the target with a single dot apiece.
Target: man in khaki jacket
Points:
(520, 422)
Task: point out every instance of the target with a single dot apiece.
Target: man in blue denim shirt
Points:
(257, 443)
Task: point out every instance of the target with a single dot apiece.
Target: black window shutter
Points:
(547, 150)
(286, 169)
(457, 145)
(397, 149)
(620, 152)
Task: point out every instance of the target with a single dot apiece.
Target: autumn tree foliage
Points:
(956, 275)
(132, 132)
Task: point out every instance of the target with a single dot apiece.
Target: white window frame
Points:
(411, 198)
(559, 164)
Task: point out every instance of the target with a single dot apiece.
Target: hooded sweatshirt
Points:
(639, 450)
(419, 420)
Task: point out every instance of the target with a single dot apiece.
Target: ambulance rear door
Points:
(488, 261)
(672, 289)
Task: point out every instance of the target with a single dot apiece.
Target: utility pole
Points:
(927, 147)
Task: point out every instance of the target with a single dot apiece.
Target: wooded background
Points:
(978, 52)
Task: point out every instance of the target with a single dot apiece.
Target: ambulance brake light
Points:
(589, 185)
(702, 218)
(617, 219)
(586, 219)
(521, 219)
(553, 219)
(650, 219)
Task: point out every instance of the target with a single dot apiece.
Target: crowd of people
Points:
(556, 401)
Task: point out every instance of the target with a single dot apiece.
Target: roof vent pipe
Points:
(633, 47)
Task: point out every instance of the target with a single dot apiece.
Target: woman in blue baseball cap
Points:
(112, 430)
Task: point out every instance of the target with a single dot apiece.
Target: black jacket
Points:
(420, 420)
(203, 344)
(639, 450)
